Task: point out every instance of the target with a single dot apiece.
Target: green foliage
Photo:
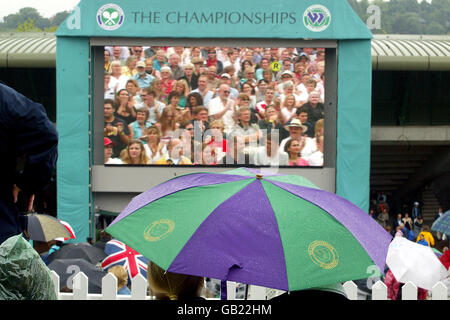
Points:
(28, 26)
(30, 20)
(407, 16)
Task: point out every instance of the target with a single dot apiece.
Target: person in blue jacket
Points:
(28, 149)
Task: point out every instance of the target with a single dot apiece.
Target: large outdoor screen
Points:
(214, 106)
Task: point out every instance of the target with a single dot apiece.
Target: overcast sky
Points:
(46, 8)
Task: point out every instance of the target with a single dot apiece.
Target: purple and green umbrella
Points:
(276, 231)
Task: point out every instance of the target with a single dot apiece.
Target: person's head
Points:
(314, 97)
(426, 228)
(263, 85)
(149, 65)
(399, 215)
(140, 68)
(166, 73)
(142, 115)
(175, 148)
(271, 113)
(289, 101)
(267, 75)
(224, 91)
(148, 95)
(123, 97)
(303, 116)
(131, 62)
(247, 88)
(287, 75)
(121, 274)
(292, 147)
(116, 68)
(189, 69)
(242, 100)
(310, 85)
(212, 72)
(174, 98)
(272, 142)
(200, 113)
(320, 55)
(225, 78)
(174, 60)
(217, 126)
(137, 51)
(117, 51)
(160, 56)
(296, 129)
(167, 285)
(212, 55)
(202, 82)
(244, 114)
(108, 148)
(246, 64)
(135, 153)
(194, 99)
(265, 63)
(132, 87)
(268, 95)
(416, 204)
(109, 108)
(320, 67)
(319, 127)
(153, 135)
(249, 73)
(182, 87)
(107, 55)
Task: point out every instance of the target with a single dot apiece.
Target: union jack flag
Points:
(121, 254)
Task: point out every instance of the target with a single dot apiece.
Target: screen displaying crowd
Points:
(214, 106)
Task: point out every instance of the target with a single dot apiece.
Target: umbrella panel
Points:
(68, 268)
(147, 230)
(319, 250)
(45, 228)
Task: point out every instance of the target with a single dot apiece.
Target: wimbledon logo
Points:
(110, 17)
(316, 18)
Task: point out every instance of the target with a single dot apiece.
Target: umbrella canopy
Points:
(82, 250)
(276, 231)
(442, 224)
(413, 262)
(68, 268)
(121, 254)
(69, 229)
(42, 227)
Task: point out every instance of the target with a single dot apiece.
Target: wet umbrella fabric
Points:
(82, 250)
(68, 268)
(414, 262)
(279, 231)
(42, 227)
(442, 224)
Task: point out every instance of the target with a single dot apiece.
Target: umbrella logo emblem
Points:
(110, 17)
(323, 254)
(158, 230)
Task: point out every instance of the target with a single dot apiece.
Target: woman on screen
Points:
(293, 148)
(134, 153)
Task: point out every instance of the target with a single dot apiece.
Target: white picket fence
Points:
(139, 290)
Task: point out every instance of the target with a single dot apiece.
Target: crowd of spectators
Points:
(214, 106)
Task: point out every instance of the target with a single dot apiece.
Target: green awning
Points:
(411, 52)
(389, 52)
(27, 50)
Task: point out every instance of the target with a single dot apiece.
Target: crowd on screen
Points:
(214, 106)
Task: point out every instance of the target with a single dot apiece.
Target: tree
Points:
(28, 26)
